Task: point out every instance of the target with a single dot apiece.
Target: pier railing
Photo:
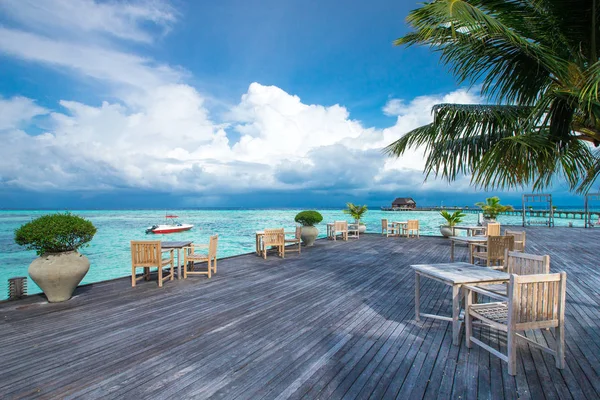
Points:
(558, 213)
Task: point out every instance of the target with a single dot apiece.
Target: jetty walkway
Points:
(335, 322)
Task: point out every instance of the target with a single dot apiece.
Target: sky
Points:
(235, 103)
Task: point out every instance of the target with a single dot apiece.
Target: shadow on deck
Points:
(336, 321)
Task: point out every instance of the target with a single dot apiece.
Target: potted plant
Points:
(491, 208)
(308, 219)
(56, 238)
(451, 220)
(357, 212)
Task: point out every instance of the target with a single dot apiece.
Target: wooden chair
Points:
(519, 239)
(534, 302)
(148, 254)
(517, 263)
(274, 238)
(340, 228)
(493, 229)
(412, 227)
(388, 229)
(493, 254)
(297, 240)
(190, 258)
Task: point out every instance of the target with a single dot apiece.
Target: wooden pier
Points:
(567, 214)
(335, 322)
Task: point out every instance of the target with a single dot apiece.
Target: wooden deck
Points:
(335, 322)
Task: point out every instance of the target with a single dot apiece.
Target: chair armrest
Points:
(167, 250)
(484, 292)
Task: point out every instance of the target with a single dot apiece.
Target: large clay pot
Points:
(362, 229)
(58, 274)
(446, 231)
(309, 235)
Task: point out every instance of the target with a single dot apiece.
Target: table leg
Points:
(471, 248)
(451, 250)
(178, 265)
(455, 314)
(417, 296)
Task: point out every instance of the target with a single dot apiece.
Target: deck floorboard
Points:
(335, 322)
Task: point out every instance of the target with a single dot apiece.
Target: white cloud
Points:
(168, 142)
(128, 21)
(18, 110)
(114, 67)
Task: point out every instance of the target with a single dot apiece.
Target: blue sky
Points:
(180, 103)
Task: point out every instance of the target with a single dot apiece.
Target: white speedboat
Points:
(170, 226)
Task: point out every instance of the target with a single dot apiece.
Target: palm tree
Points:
(355, 211)
(537, 63)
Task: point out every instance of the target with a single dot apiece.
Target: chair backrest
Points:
(212, 246)
(145, 253)
(340, 226)
(536, 301)
(413, 224)
(274, 237)
(298, 234)
(497, 245)
(493, 229)
(519, 239)
(520, 263)
(384, 224)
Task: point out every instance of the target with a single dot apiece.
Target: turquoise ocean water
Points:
(109, 252)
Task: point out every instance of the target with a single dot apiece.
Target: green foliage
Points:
(308, 218)
(55, 233)
(492, 207)
(538, 67)
(452, 219)
(355, 211)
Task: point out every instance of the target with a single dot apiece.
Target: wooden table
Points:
(403, 225)
(470, 240)
(455, 275)
(178, 246)
(471, 229)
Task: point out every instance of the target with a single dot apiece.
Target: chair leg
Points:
(560, 345)
(172, 266)
(132, 276)
(160, 278)
(264, 251)
(468, 318)
(283, 251)
(215, 265)
(512, 352)
(209, 269)
(146, 273)
(186, 265)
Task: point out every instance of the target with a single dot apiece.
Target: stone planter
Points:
(59, 274)
(446, 230)
(309, 235)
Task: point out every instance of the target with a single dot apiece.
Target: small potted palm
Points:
(56, 239)
(492, 208)
(451, 220)
(308, 219)
(356, 212)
